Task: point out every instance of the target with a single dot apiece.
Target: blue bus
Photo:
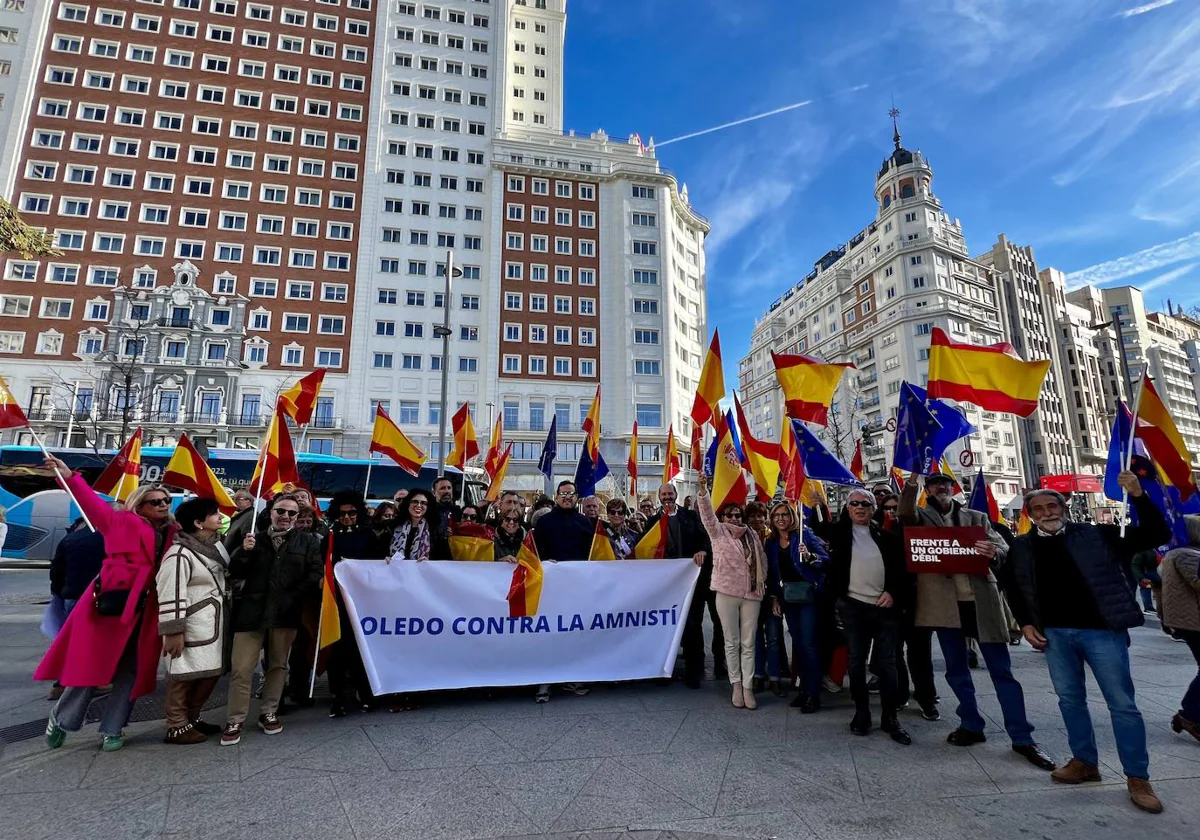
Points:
(39, 512)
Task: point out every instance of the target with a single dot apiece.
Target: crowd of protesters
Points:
(239, 596)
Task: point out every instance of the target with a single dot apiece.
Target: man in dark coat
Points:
(278, 570)
(563, 533)
(686, 537)
(444, 509)
(1070, 592)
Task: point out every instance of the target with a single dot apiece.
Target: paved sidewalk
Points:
(637, 761)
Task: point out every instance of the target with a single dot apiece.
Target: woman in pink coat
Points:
(121, 650)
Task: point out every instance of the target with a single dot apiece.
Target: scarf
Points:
(277, 537)
(412, 545)
(212, 554)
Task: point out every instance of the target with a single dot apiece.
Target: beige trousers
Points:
(739, 623)
(246, 648)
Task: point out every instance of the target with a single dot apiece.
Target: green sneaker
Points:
(112, 743)
(55, 734)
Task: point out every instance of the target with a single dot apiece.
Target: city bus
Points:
(39, 512)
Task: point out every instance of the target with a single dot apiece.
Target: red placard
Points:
(945, 551)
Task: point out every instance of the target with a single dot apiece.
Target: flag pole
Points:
(303, 435)
(62, 482)
(262, 457)
(1137, 405)
(367, 486)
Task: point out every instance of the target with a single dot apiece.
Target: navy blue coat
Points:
(563, 534)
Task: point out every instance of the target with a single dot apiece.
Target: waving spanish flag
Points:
(491, 461)
(466, 446)
(631, 464)
(601, 546)
(591, 467)
(331, 622)
(653, 544)
(992, 377)
(276, 465)
(299, 401)
(671, 461)
(188, 471)
(11, 415)
(525, 591)
(856, 463)
(472, 541)
(728, 482)
(493, 491)
(1157, 430)
(791, 466)
(387, 439)
(712, 385)
(762, 457)
(808, 385)
(121, 476)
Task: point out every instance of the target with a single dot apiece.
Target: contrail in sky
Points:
(1149, 7)
(744, 120)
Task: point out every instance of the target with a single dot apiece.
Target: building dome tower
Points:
(904, 174)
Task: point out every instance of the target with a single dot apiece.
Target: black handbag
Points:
(799, 592)
(112, 602)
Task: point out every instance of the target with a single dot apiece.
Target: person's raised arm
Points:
(96, 509)
(907, 511)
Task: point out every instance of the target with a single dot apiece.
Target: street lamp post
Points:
(444, 332)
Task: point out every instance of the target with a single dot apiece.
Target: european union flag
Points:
(588, 474)
(917, 433)
(819, 463)
(710, 457)
(549, 450)
(955, 424)
(1117, 447)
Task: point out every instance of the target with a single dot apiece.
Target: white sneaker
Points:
(830, 686)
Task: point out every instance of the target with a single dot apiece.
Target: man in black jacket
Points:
(444, 510)
(563, 533)
(867, 580)
(686, 537)
(1070, 593)
(278, 569)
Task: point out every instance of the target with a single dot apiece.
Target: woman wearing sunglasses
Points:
(739, 580)
(111, 637)
(509, 537)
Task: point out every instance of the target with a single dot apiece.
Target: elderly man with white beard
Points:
(962, 606)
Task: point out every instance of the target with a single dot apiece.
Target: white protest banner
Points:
(436, 625)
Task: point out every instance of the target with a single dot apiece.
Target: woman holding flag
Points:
(739, 581)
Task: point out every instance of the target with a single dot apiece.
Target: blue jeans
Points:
(1147, 598)
(766, 649)
(1008, 690)
(1189, 707)
(1106, 652)
(802, 625)
(72, 706)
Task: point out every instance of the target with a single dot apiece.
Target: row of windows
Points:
(420, 268)
(541, 245)
(434, 13)
(73, 240)
(228, 8)
(430, 94)
(412, 361)
(541, 216)
(423, 151)
(79, 207)
(399, 177)
(536, 366)
(541, 186)
(431, 65)
(515, 302)
(540, 333)
(46, 138)
(415, 298)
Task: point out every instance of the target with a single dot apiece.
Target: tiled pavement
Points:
(636, 761)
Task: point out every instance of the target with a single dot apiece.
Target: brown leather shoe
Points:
(1143, 796)
(1181, 724)
(185, 735)
(1076, 772)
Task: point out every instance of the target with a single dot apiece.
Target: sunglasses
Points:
(733, 514)
(891, 508)
(617, 512)
(285, 512)
(516, 519)
(468, 517)
(567, 495)
(416, 502)
(342, 513)
(157, 502)
(859, 503)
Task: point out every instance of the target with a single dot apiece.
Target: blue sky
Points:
(1070, 125)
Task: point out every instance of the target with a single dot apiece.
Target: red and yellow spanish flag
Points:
(493, 491)
(188, 471)
(1024, 523)
(992, 377)
(728, 482)
(491, 461)
(387, 439)
(525, 591)
(11, 415)
(808, 385)
(466, 446)
(671, 461)
(856, 463)
(331, 621)
(813, 494)
(631, 464)
(276, 467)
(653, 544)
(697, 448)
(1157, 430)
(712, 385)
(791, 466)
(601, 546)
(121, 476)
(762, 457)
(472, 541)
(299, 401)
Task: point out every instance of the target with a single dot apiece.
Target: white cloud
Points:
(1167, 278)
(1149, 7)
(1159, 256)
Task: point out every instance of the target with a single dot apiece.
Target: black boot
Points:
(890, 724)
(811, 705)
(799, 700)
(861, 724)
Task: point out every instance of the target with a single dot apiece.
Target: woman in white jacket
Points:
(192, 600)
